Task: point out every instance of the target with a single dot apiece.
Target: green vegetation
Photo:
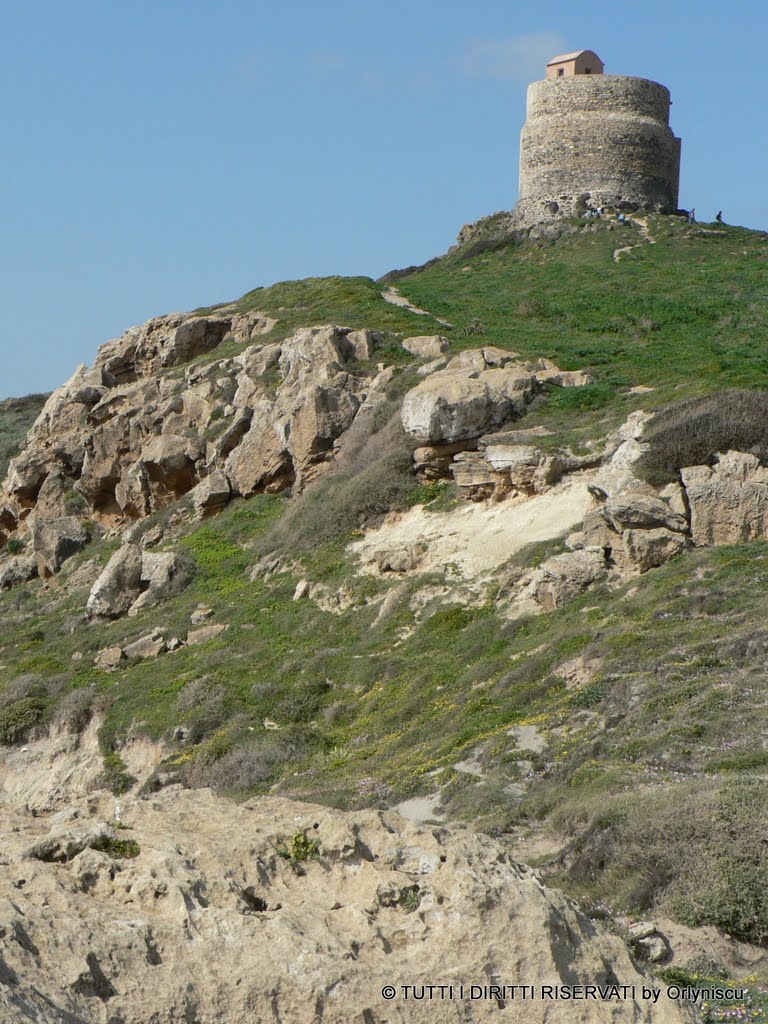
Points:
(18, 717)
(652, 772)
(117, 848)
(300, 849)
(685, 316)
(690, 433)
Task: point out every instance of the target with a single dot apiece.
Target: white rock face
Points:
(728, 501)
(428, 346)
(211, 923)
(451, 405)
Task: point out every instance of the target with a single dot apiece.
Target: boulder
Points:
(451, 406)
(211, 495)
(205, 633)
(525, 467)
(432, 367)
(478, 359)
(55, 540)
(148, 646)
(401, 559)
(262, 461)
(429, 346)
(563, 577)
(728, 501)
(109, 658)
(17, 570)
(647, 549)
(247, 326)
(358, 345)
(642, 511)
(119, 584)
(163, 574)
(565, 378)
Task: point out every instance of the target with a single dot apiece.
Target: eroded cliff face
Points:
(136, 432)
(187, 907)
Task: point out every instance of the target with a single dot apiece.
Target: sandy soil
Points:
(474, 540)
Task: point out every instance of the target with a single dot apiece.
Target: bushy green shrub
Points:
(18, 717)
(691, 433)
(117, 848)
(696, 852)
(300, 849)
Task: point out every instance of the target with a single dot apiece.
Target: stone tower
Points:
(592, 139)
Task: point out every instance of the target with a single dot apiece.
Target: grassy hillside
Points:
(652, 779)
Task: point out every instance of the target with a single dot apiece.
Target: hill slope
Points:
(620, 737)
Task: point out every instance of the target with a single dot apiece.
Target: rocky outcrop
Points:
(192, 907)
(455, 415)
(134, 579)
(55, 540)
(561, 578)
(729, 500)
(452, 405)
(135, 432)
(428, 346)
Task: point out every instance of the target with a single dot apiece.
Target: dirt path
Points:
(642, 224)
(393, 296)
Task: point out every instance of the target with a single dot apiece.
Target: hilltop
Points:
(504, 573)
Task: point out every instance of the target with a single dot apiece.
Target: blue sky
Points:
(163, 155)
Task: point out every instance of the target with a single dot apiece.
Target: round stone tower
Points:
(592, 139)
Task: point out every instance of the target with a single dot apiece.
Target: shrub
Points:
(242, 768)
(694, 852)
(373, 478)
(75, 710)
(116, 848)
(17, 718)
(14, 546)
(115, 775)
(301, 849)
(691, 433)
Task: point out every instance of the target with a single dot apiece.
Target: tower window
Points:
(587, 71)
(560, 72)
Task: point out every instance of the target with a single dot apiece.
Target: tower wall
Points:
(597, 140)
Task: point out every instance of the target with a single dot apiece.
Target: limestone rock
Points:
(358, 344)
(401, 560)
(561, 578)
(205, 633)
(119, 584)
(478, 359)
(728, 501)
(208, 922)
(17, 570)
(163, 574)
(247, 326)
(426, 346)
(565, 378)
(450, 405)
(109, 658)
(642, 511)
(647, 549)
(134, 579)
(148, 646)
(431, 367)
(55, 540)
